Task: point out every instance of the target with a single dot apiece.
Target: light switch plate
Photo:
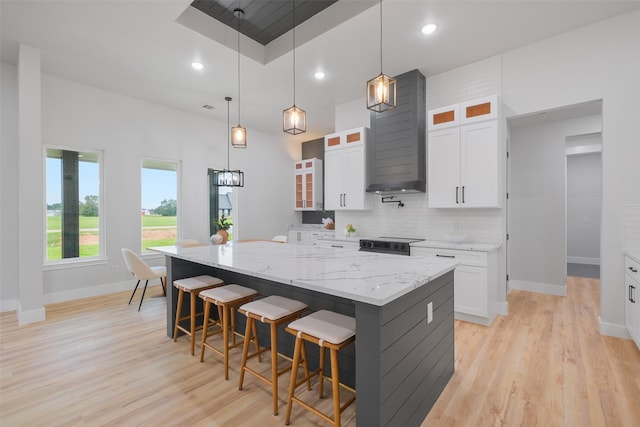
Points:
(429, 312)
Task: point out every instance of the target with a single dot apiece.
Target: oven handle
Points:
(446, 256)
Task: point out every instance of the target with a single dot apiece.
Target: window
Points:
(220, 203)
(73, 204)
(159, 203)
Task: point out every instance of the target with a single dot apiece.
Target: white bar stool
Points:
(274, 311)
(226, 298)
(331, 331)
(192, 286)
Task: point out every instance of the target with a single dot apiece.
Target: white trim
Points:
(8, 305)
(543, 288)
(30, 316)
(501, 308)
(480, 320)
(613, 330)
(583, 260)
(93, 291)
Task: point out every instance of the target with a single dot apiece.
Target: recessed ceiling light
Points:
(429, 29)
(319, 75)
(197, 65)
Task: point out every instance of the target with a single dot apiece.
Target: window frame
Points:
(87, 260)
(178, 171)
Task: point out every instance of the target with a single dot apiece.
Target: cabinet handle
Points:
(631, 289)
(341, 200)
(446, 256)
(337, 246)
(463, 194)
(635, 270)
(457, 190)
(345, 199)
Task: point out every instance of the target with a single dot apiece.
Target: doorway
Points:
(538, 219)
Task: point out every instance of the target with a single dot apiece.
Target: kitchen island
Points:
(404, 350)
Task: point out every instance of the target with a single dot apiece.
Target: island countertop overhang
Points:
(366, 277)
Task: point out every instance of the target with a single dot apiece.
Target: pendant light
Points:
(294, 119)
(227, 177)
(381, 90)
(238, 133)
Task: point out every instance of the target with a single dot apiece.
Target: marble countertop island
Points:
(371, 278)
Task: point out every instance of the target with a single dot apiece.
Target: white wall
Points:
(599, 61)
(127, 129)
(584, 194)
(537, 203)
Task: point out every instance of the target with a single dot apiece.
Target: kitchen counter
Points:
(372, 278)
(403, 355)
(464, 246)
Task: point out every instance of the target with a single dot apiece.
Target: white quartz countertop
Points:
(634, 255)
(367, 277)
(464, 246)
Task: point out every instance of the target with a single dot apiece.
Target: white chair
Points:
(141, 271)
(187, 243)
(280, 238)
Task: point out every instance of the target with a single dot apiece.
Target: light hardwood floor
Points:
(98, 361)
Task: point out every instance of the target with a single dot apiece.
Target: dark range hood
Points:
(397, 157)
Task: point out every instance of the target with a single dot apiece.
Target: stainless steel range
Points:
(388, 245)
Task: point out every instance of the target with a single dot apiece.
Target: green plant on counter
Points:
(350, 229)
(224, 222)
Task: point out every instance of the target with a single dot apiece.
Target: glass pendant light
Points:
(381, 90)
(228, 177)
(294, 119)
(239, 133)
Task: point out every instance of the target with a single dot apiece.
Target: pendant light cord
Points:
(294, 52)
(228, 99)
(380, 36)
(238, 28)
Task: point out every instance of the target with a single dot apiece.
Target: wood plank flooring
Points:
(98, 361)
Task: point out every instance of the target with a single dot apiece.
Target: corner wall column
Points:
(30, 187)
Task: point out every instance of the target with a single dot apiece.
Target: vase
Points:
(225, 235)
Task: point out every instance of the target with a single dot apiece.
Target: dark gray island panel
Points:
(403, 362)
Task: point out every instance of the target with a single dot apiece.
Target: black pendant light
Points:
(381, 90)
(238, 133)
(294, 119)
(228, 177)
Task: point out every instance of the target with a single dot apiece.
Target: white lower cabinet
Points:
(632, 296)
(470, 290)
(306, 237)
(474, 280)
(338, 244)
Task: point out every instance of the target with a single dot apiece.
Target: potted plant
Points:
(223, 223)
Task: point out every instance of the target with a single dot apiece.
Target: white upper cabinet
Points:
(463, 160)
(308, 185)
(345, 170)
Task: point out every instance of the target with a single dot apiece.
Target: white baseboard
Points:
(484, 321)
(583, 260)
(30, 316)
(501, 308)
(8, 305)
(542, 288)
(613, 330)
(92, 291)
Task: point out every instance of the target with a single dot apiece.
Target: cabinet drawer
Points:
(632, 268)
(471, 258)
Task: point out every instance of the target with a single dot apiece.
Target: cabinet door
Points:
(308, 183)
(333, 188)
(299, 191)
(354, 178)
(470, 290)
(479, 165)
(444, 168)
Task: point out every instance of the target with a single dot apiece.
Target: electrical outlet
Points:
(429, 312)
